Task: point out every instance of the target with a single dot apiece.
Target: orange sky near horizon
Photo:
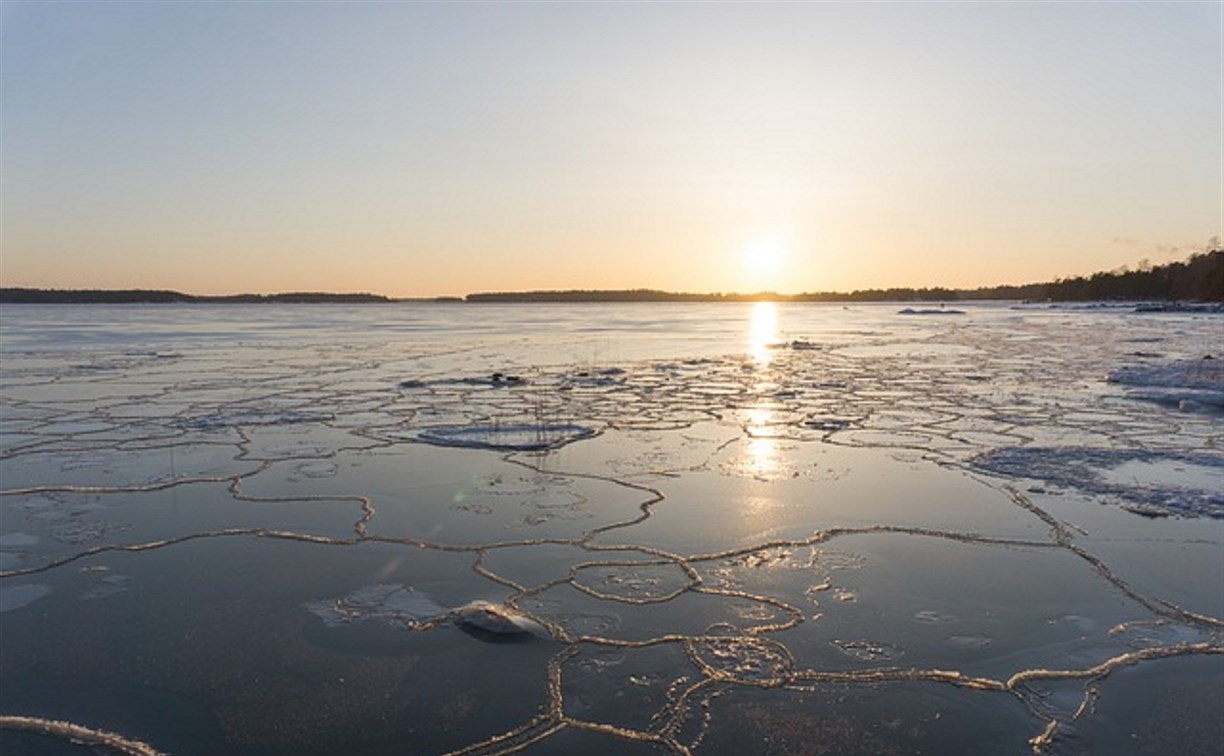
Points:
(432, 149)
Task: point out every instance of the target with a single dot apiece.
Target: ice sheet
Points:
(720, 527)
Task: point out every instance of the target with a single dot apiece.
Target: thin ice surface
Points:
(720, 515)
(393, 603)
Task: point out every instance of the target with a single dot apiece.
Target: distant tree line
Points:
(616, 295)
(71, 296)
(306, 297)
(654, 295)
(1199, 278)
(147, 296)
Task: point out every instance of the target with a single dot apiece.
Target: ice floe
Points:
(930, 311)
(486, 617)
(1188, 385)
(495, 380)
(864, 650)
(1152, 483)
(395, 604)
(389, 603)
(508, 437)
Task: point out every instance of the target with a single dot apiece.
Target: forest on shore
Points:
(150, 296)
(1197, 279)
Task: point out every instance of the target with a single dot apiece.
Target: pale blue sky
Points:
(420, 149)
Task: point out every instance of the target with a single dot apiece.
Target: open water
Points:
(696, 528)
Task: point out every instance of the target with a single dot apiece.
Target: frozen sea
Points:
(633, 528)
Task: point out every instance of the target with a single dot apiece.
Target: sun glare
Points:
(764, 258)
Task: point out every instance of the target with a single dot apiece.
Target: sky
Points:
(422, 149)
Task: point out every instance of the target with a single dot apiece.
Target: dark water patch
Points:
(886, 720)
(169, 720)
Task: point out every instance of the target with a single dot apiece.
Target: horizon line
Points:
(757, 295)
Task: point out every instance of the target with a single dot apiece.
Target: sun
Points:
(764, 258)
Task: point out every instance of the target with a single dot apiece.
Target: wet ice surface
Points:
(691, 528)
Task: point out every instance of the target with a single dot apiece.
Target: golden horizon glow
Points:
(791, 147)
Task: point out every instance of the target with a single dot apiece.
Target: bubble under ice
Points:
(696, 627)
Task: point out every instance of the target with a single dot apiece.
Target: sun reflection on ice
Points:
(760, 461)
(761, 453)
(762, 456)
(759, 422)
(762, 331)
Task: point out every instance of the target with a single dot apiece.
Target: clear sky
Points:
(425, 149)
